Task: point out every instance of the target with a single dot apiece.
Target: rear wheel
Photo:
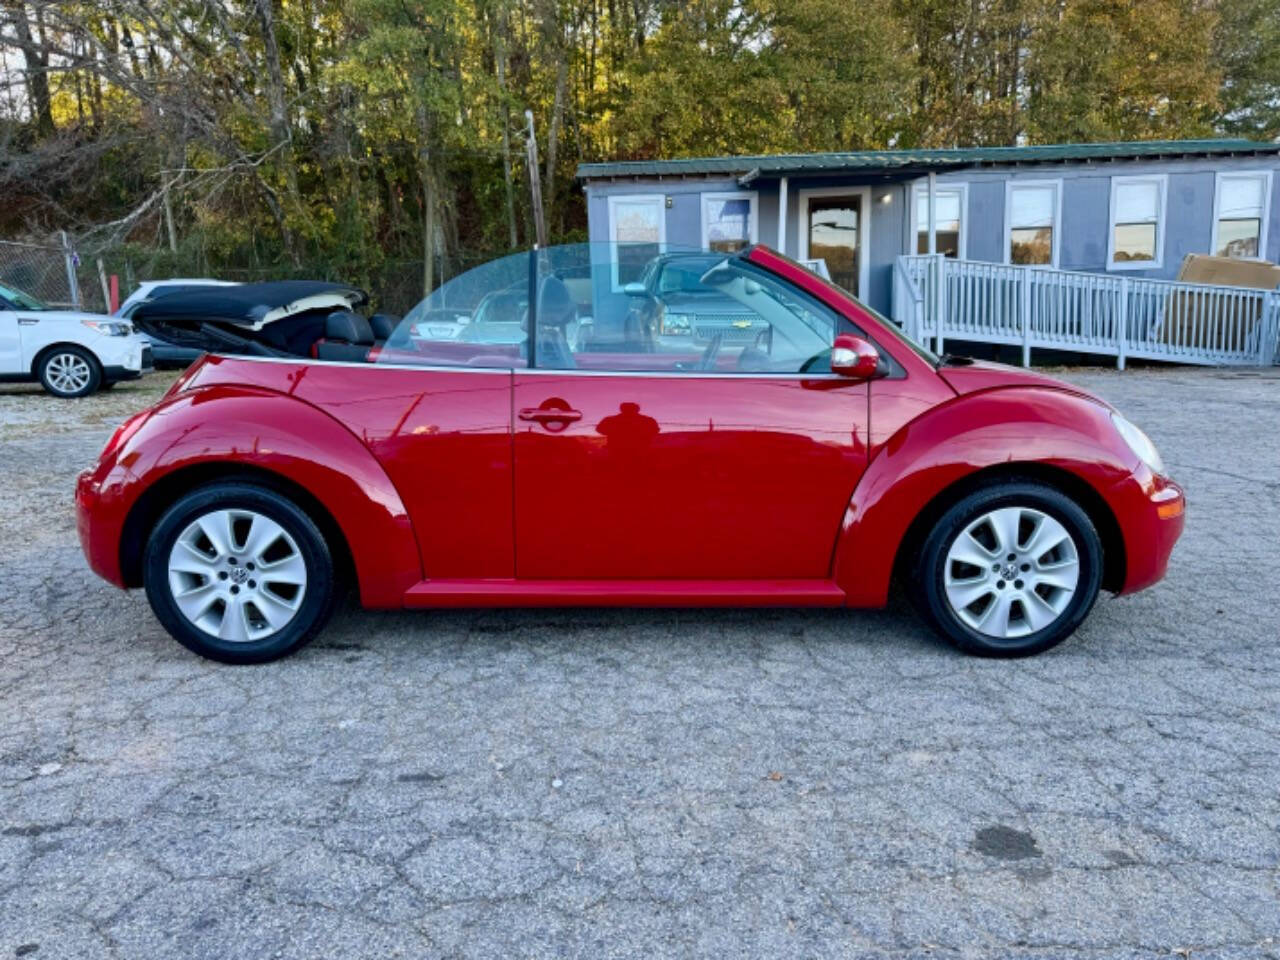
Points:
(1009, 570)
(238, 573)
(69, 371)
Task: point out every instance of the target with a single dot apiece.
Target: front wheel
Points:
(1010, 570)
(69, 372)
(238, 573)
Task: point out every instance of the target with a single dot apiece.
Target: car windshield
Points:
(20, 300)
(684, 275)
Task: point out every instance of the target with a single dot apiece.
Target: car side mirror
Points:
(635, 289)
(854, 357)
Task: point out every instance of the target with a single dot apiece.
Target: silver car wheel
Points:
(1011, 572)
(237, 575)
(68, 372)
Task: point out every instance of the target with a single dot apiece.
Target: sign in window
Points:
(728, 221)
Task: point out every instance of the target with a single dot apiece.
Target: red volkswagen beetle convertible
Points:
(612, 426)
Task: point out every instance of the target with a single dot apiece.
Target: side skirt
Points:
(624, 593)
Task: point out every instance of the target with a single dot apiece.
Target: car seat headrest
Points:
(348, 326)
(383, 325)
(555, 304)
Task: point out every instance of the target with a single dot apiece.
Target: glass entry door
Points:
(835, 235)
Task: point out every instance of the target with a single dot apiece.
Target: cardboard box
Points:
(1202, 321)
(1229, 272)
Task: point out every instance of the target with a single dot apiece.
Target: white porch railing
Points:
(939, 299)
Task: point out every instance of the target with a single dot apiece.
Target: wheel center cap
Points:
(239, 575)
(1010, 571)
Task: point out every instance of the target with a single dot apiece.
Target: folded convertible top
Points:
(251, 305)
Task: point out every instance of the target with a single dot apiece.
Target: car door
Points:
(10, 342)
(725, 463)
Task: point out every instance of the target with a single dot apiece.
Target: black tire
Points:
(319, 594)
(48, 370)
(929, 584)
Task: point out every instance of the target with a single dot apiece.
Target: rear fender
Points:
(1040, 428)
(220, 428)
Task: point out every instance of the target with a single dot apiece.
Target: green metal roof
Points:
(890, 160)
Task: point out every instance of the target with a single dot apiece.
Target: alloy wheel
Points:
(1011, 572)
(237, 575)
(68, 372)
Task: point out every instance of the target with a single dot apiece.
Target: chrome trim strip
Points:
(688, 374)
(675, 375)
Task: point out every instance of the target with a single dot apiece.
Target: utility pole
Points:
(535, 188)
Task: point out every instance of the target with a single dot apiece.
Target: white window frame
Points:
(1009, 187)
(753, 218)
(1265, 177)
(657, 199)
(1161, 180)
(920, 194)
(864, 228)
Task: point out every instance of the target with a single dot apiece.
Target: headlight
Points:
(1139, 443)
(677, 324)
(109, 328)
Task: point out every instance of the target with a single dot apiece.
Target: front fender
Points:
(974, 432)
(236, 426)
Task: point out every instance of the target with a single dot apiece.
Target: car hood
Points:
(971, 376)
(703, 305)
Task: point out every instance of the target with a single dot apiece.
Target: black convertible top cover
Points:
(246, 303)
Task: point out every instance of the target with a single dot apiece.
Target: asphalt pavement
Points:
(639, 783)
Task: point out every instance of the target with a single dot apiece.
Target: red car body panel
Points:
(1046, 427)
(750, 476)
(244, 425)
(976, 375)
(468, 485)
(625, 593)
(443, 438)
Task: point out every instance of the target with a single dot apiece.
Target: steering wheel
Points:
(708, 361)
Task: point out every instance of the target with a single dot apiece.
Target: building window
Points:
(1137, 222)
(728, 221)
(949, 225)
(637, 233)
(1031, 218)
(1240, 209)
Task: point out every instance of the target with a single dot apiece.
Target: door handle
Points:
(549, 415)
(28, 321)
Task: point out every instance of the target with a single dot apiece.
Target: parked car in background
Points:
(166, 355)
(671, 298)
(442, 324)
(437, 324)
(69, 352)
(812, 467)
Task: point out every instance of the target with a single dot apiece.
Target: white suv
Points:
(70, 353)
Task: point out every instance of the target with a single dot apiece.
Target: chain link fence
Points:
(48, 271)
(76, 274)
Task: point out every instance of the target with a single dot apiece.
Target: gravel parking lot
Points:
(650, 783)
